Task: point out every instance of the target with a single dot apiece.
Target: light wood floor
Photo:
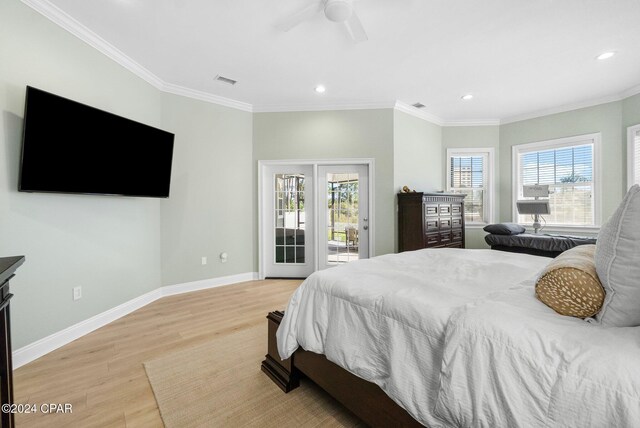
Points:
(101, 374)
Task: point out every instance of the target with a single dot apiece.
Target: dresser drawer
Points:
(454, 245)
(431, 224)
(445, 223)
(456, 222)
(456, 235)
(444, 209)
(431, 239)
(456, 209)
(431, 209)
(445, 237)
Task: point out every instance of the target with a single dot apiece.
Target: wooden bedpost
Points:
(282, 372)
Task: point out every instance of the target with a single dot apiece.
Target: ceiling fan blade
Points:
(302, 15)
(355, 28)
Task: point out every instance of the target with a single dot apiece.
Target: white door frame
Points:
(369, 162)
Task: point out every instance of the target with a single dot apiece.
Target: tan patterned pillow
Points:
(569, 284)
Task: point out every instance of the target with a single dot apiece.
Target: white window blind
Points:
(636, 158)
(634, 155)
(468, 173)
(568, 170)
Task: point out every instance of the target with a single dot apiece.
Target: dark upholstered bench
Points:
(538, 245)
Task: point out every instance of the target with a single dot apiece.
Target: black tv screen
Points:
(68, 147)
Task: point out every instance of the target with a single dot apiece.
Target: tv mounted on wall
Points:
(68, 147)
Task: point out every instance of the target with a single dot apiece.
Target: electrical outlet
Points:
(77, 293)
(204, 261)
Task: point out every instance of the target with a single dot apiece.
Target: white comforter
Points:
(384, 318)
(510, 361)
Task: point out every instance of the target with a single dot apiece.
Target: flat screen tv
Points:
(68, 147)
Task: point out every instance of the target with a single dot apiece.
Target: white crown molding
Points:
(328, 107)
(419, 113)
(574, 106)
(37, 349)
(630, 92)
(205, 96)
(62, 19)
(472, 122)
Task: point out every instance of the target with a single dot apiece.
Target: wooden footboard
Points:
(282, 372)
(365, 399)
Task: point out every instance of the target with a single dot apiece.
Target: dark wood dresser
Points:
(428, 220)
(8, 266)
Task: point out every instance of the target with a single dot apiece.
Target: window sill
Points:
(475, 225)
(570, 230)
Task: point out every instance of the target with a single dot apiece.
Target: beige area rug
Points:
(220, 384)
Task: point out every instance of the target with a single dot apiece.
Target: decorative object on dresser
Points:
(428, 220)
(8, 266)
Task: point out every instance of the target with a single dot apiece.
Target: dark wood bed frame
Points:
(365, 399)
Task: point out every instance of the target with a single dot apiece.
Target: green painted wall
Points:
(108, 245)
(463, 137)
(604, 118)
(417, 153)
(116, 248)
(211, 207)
(630, 112)
(332, 135)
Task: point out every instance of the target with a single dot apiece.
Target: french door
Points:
(312, 216)
(288, 200)
(343, 220)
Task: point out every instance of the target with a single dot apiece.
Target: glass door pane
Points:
(289, 218)
(287, 241)
(342, 217)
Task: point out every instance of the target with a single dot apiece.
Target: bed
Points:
(450, 337)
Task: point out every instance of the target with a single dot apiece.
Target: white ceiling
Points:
(515, 56)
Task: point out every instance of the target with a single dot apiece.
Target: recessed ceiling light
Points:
(320, 89)
(467, 97)
(605, 55)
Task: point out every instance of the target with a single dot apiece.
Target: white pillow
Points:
(618, 263)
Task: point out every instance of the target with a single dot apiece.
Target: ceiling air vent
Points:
(418, 105)
(225, 80)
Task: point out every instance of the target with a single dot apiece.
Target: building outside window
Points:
(470, 171)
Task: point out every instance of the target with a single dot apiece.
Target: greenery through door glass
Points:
(290, 218)
(342, 217)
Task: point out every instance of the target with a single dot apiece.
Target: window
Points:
(633, 155)
(568, 166)
(469, 171)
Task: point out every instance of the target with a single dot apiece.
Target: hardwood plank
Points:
(102, 373)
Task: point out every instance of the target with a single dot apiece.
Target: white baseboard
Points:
(170, 290)
(37, 349)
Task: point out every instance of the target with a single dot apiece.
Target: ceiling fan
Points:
(340, 11)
